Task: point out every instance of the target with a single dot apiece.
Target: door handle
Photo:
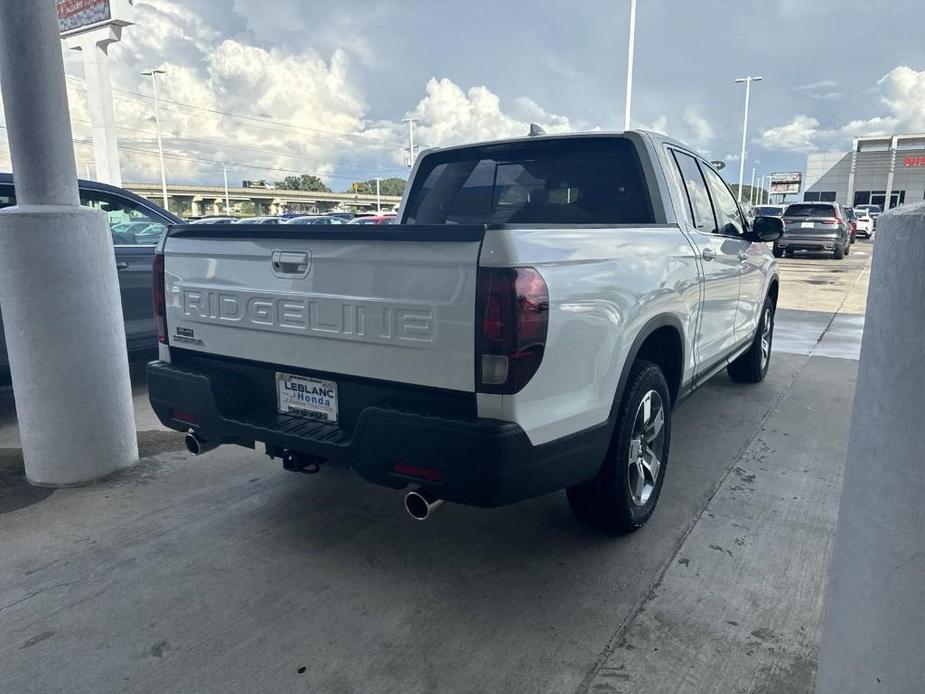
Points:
(291, 264)
(743, 256)
(121, 265)
(708, 254)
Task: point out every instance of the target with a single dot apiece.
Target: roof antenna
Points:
(535, 129)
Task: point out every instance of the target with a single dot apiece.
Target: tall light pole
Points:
(631, 49)
(748, 90)
(378, 197)
(751, 188)
(227, 200)
(410, 121)
(157, 126)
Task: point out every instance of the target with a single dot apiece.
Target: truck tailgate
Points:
(394, 303)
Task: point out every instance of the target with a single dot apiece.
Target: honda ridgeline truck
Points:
(528, 326)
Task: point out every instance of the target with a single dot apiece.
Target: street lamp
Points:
(157, 126)
(748, 89)
(631, 49)
(410, 121)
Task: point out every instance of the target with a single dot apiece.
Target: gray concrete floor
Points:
(225, 573)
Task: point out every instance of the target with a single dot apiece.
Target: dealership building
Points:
(877, 169)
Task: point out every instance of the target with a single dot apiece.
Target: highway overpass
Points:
(200, 200)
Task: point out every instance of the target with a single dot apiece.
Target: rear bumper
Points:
(479, 462)
(820, 242)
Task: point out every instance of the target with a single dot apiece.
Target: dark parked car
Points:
(212, 220)
(815, 226)
(136, 225)
(316, 219)
(769, 211)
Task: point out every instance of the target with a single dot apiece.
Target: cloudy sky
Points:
(272, 87)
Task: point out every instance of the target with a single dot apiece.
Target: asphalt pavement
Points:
(225, 573)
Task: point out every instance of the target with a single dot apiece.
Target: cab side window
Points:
(727, 209)
(697, 196)
(129, 224)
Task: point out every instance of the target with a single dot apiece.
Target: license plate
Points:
(307, 397)
(806, 225)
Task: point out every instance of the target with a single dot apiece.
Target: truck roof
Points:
(654, 136)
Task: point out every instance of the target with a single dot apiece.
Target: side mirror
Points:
(767, 229)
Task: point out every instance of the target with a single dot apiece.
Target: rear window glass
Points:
(765, 211)
(811, 211)
(568, 181)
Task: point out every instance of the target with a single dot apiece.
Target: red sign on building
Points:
(910, 162)
(76, 14)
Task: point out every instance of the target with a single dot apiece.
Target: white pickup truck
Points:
(528, 326)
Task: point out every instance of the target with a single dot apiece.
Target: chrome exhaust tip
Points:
(197, 445)
(420, 504)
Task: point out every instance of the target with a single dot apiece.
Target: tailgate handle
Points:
(291, 263)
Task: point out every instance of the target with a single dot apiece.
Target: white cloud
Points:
(659, 125)
(902, 93)
(816, 86)
(796, 136)
(699, 131)
(448, 116)
(266, 112)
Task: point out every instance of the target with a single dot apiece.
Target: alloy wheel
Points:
(647, 443)
(767, 327)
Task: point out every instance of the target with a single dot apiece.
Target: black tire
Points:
(848, 249)
(838, 253)
(789, 253)
(777, 251)
(608, 502)
(752, 366)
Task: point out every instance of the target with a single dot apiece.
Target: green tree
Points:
(303, 182)
(387, 186)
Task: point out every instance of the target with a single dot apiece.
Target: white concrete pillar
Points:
(94, 45)
(875, 608)
(59, 290)
(852, 172)
(891, 174)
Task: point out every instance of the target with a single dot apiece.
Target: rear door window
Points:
(728, 213)
(800, 210)
(697, 196)
(568, 181)
(129, 223)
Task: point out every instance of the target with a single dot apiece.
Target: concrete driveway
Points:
(225, 573)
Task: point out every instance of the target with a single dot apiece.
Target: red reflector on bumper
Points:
(424, 473)
(185, 417)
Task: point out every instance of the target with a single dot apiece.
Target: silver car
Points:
(822, 227)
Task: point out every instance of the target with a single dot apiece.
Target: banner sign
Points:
(74, 15)
(786, 183)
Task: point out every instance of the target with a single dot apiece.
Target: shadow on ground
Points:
(16, 492)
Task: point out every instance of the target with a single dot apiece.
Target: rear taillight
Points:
(830, 220)
(160, 299)
(511, 326)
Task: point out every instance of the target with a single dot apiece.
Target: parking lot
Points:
(226, 573)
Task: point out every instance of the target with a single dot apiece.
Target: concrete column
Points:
(58, 285)
(875, 610)
(94, 45)
(852, 171)
(889, 176)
